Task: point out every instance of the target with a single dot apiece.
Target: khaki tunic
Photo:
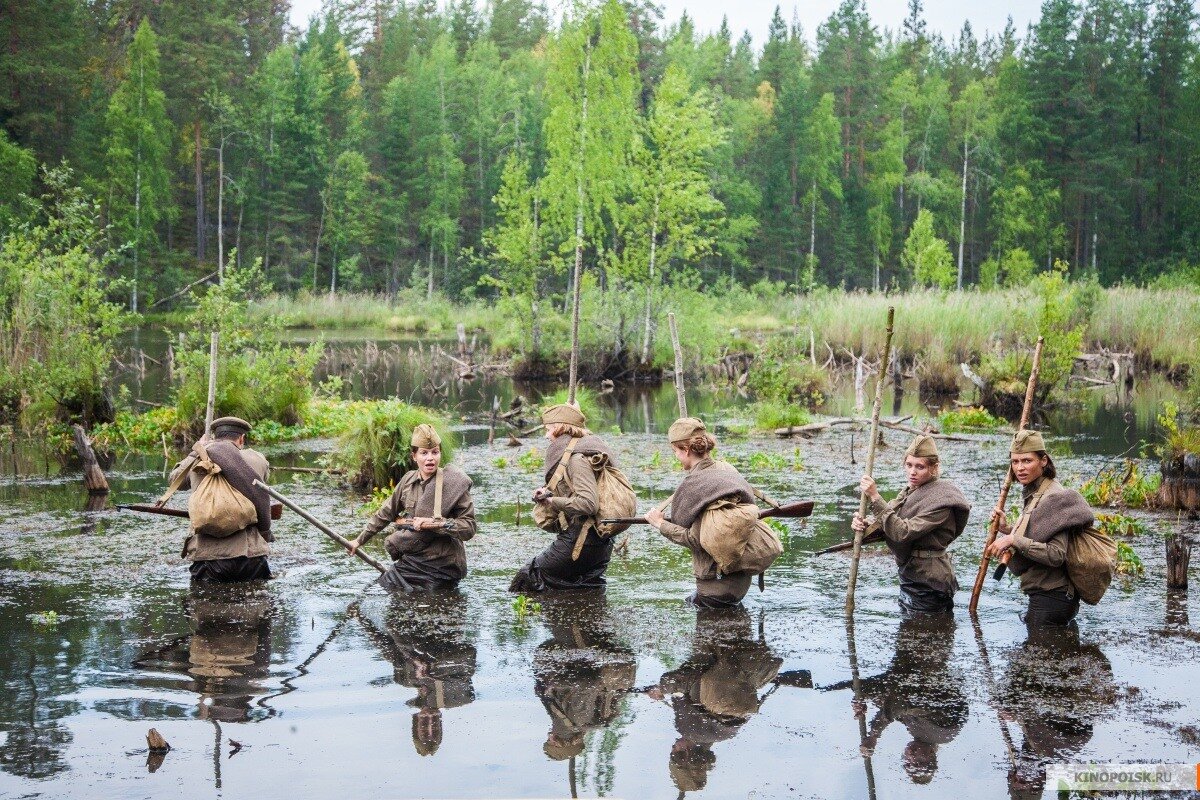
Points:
(731, 587)
(440, 548)
(247, 542)
(584, 501)
(929, 535)
(1048, 571)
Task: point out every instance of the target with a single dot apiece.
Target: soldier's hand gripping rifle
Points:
(797, 510)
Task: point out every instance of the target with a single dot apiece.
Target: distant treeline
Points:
(469, 152)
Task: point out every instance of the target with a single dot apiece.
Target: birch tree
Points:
(139, 146)
(592, 87)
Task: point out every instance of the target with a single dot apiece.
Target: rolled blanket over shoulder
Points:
(703, 486)
(927, 498)
(1059, 509)
(588, 445)
(241, 477)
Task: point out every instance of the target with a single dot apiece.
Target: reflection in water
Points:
(1056, 688)
(582, 673)
(921, 690)
(715, 691)
(228, 653)
(427, 644)
(35, 741)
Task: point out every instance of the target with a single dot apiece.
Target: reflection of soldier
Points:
(430, 653)
(229, 651)
(1056, 688)
(581, 672)
(920, 690)
(714, 692)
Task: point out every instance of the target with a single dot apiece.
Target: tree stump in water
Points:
(1180, 482)
(93, 476)
(156, 742)
(1179, 553)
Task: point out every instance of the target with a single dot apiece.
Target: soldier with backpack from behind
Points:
(583, 484)
(1056, 552)
(713, 515)
(230, 532)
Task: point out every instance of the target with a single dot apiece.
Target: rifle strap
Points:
(185, 469)
(437, 494)
(1018, 530)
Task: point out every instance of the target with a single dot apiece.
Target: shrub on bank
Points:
(374, 448)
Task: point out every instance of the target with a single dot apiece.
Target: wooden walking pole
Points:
(994, 526)
(679, 393)
(576, 291)
(212, 383)
(332, 534)
(862, 503)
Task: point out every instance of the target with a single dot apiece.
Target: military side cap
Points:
(564, 413)
(230, 424)
(1028, 442)
(685, 428)
(923, 446)
(424, 436)
(562, 749)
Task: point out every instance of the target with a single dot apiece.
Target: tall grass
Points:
(1157, 325)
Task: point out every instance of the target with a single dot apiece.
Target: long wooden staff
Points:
(332, 534)
(862, 504)
(679, 394)
(994, 527)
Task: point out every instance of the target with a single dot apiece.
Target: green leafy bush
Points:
(1119, 526)
(374, 449)
(56, 325)
(966, 419)
(782, 373)
(1128, 561)
(531, 460)
(770, 415)
(258, 378)
(1125, 486)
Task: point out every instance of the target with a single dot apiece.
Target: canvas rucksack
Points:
(615, 497)
(737, 539)
(215, 508)
(1091, 556)
(1091, 561)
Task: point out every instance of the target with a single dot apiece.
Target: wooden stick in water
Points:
(994, 527)
(862, 504)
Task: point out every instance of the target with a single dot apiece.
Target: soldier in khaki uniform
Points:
(1051, 515)
(436, 504)
(241, 556)
(568, 508)
(918, 526)
(706, 482)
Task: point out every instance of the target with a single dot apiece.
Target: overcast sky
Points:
(943, 16)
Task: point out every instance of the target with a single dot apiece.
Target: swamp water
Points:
(318, 684)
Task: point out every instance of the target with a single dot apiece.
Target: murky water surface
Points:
(318, 684)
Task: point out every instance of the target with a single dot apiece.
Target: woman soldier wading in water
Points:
(918, 526)
(707, 481)
(568, 505)
(438, 515)
(1051, 515)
